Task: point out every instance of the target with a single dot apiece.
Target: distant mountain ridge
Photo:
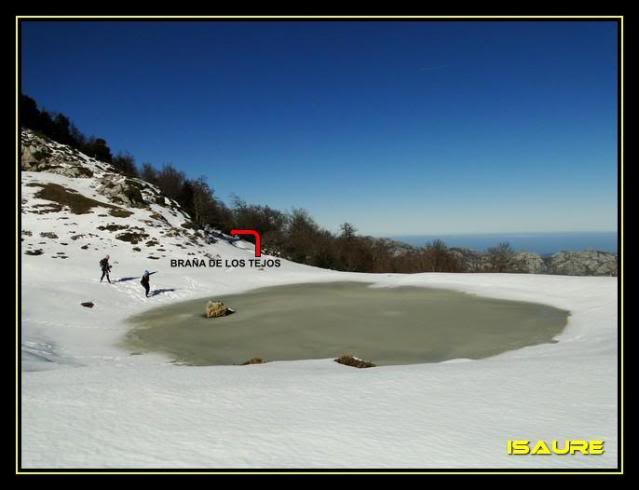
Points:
(542, 243)
(570, 263)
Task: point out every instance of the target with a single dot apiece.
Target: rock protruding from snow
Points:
(122, 190)
(41, 155)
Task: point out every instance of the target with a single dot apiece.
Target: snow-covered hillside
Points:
(89, 403)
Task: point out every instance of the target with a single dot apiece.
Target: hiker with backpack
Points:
(145, 281)
(106, 268)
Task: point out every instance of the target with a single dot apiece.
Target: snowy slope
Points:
(88, 403)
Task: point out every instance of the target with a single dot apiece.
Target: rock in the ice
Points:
(254, 360)
(353, 361)
(215, 309)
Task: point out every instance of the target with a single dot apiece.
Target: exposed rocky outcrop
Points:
(92, 207)
(585, 263)
(122, 190)
(39, 154)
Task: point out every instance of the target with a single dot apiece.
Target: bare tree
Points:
(171, 181)
(500, 257)
(149, 173)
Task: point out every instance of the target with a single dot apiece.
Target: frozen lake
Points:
(402, 325)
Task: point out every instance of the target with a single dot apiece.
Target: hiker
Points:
(145, 281)
(106, 268)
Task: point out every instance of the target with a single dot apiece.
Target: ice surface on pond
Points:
(315, 321)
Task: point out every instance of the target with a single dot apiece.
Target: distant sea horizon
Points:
(542, 243)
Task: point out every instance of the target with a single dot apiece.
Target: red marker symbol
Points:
(258, 241)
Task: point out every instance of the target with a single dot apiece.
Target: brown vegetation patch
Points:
(113, 227)
(132, 237)
(120, 213)
(77, 203)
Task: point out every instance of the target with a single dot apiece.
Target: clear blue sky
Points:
(397, 127)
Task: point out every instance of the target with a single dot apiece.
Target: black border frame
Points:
(618, 19)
